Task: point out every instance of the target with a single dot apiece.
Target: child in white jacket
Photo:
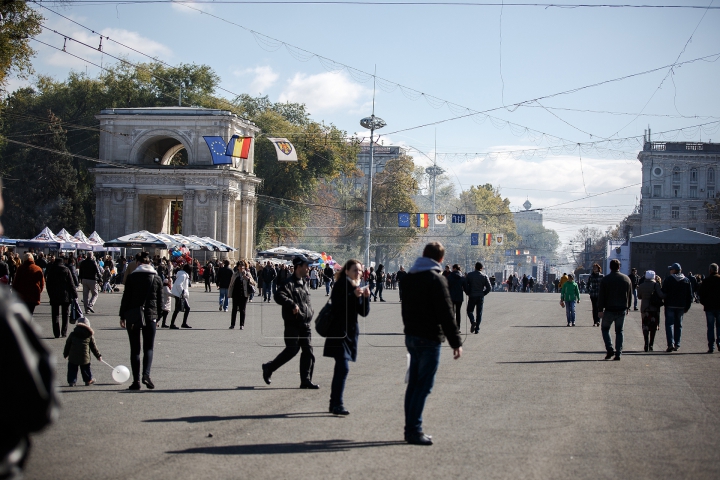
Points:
(166, 301)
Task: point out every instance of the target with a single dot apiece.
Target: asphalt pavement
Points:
(530, 398)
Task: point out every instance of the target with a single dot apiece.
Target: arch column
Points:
(130, 210)
(188, 224)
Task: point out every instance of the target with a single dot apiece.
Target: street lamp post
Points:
(372, 123)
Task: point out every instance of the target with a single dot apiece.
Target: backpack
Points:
(655, 299)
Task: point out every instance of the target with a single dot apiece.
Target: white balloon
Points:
(121, 374)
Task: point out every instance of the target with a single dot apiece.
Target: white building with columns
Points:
(158, 163)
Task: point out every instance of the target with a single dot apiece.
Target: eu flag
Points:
(403, 219)
(474, 237)
(217, 150)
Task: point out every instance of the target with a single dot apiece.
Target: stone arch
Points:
(159, 143)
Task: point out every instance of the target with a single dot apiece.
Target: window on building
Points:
(676, 191)
(711, 192)
(657, 191)
(692, 213)
(693, 191)
(676, 174)
(711, 176)
(656, 211)
(675, 212)
(693, 175)
(710, 231)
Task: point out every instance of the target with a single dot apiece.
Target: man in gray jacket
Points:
(614, 301)
(477, 286)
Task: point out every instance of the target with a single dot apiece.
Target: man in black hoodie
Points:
(427, 313)
(709, 293)
(678, 300)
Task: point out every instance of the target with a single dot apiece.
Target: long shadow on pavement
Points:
(553, 361)
(320, 446)
(216, 418)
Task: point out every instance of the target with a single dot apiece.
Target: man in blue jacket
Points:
(678, 300)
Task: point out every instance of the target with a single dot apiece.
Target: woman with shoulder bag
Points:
(140, 307)
(348, 301)
(240, 290)
(62, 289)
(181, 292)
(650, 293)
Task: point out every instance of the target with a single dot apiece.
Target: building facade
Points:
(141, 187)
(678, 178)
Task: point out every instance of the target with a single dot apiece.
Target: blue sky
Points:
(453, 53)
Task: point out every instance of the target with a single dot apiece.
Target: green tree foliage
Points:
(541, 241)
(19, 23)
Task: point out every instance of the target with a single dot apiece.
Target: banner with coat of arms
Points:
(440, 219)
(284, 149)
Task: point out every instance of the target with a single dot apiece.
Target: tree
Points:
(539, 240)
(19, 22)
(588, 247)
(713, 214)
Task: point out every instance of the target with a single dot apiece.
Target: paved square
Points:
(530, 398)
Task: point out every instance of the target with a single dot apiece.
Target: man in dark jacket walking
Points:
(224, 275)
(427, 314)
(477, 286)
(709, 293)
(268, 276)
(297, 313)
(90, 275)
(456, 284)
(401, 274)
(614, 302)
(62, 290)
(593, 288)
(678, 300)
(634, 281)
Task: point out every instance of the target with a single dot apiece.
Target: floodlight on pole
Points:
(372, 123)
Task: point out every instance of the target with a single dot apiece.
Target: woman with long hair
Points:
(348, 301)
(380, 282)
(240, 289)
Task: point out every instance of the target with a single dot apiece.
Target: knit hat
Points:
(84, 321)
(650, 275)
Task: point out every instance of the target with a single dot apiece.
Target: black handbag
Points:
(655, 299)
(324, 319)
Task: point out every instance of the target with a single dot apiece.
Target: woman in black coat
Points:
(61, 289)
(348, 301)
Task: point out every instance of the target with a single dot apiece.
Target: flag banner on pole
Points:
(239, 147)
(458, 218)
(518, 252)
(534, 259)
(474, 238)
(217, 150)
(509, 253)
(284, 149)
(423, 220)
(487, 239)
(529, 259)
(403, 219)
(526, 252)
(499, 238)
(440, 219)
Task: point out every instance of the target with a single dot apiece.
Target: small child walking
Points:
(167, 301)
(107, 275)
(77, 350)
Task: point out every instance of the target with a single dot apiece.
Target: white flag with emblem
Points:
(284, 149)
(499, 238)
(440, 219)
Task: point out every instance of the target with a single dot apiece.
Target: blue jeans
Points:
(424, 361)
(224, 298)
(72, 373)
(327, 287)
(337, 388)
(570, 311)
(475, 304)
(607, 321)
(673, 326)
(713, 326)
(267, 290)
(635, 298)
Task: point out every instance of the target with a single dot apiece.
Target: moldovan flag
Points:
(487, 239)
(284, 149)
(499, 238)
(239, 147)
(440, 219)
(423, 220)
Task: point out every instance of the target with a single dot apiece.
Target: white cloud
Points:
(264, 78)
(326, 92)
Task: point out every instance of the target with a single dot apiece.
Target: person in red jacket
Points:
(29, 282)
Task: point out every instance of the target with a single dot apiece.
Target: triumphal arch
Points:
(158, 174)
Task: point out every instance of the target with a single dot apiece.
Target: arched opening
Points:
(163, 151)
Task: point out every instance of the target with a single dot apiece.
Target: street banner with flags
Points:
(423, 220)
(403, 219)
(526, 252)
(284, 149)
(474, 238)
(458, 218)
(534, 259)
(238, 147)
(499, 238)
(440, 219)
(509, 253)
(217, 150)
(487, 239)
(518, 252)
(529, 259)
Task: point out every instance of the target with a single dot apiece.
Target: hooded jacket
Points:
(143, 288)
(570, 292)
(295, 292)
(427, 310)
(181, 285)
(678, 292)
(79, 344)
(29, 282)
